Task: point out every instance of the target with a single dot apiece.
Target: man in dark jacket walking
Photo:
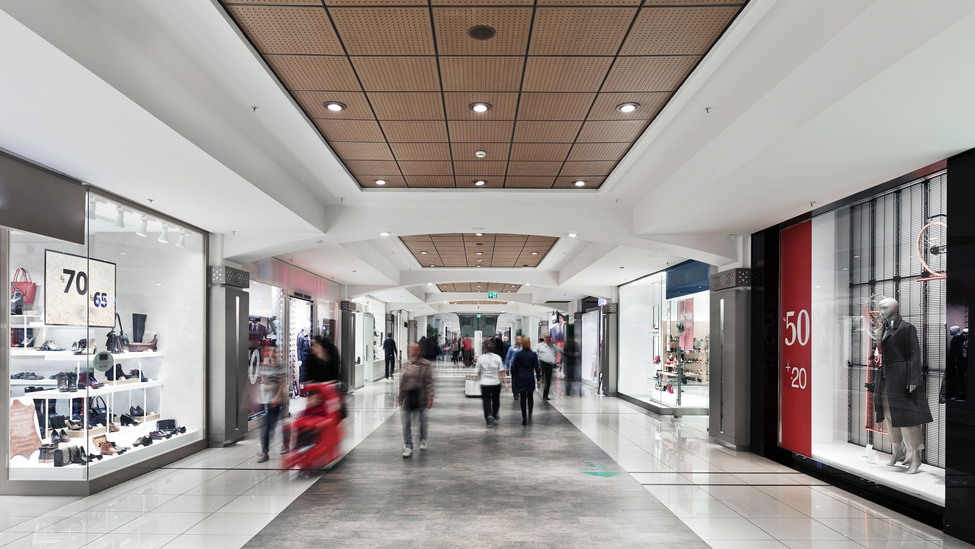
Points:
(389, 347)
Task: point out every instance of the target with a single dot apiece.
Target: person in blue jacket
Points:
(509, 357)
(526, 375)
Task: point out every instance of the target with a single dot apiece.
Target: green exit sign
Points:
(492, 295)
(478, 316)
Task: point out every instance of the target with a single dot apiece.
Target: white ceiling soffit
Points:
(866, 92)
(57, 113)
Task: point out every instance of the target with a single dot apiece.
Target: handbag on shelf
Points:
(117, 342)
(97, 411)
(21, 282)
(16, 302)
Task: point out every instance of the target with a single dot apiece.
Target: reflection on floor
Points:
(693, 396)
(221, 498)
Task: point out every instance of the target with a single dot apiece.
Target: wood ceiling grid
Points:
(484, 286)
(470, 250)
(554, 74)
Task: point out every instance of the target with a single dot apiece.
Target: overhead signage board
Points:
(78, 291)
(492, 295)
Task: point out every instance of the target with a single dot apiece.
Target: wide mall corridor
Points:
(590, 471)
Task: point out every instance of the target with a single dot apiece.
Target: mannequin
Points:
(901, 401)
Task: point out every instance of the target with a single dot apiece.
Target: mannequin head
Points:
(955, 330)
(888, 307)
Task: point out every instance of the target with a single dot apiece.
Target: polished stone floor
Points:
(549, 485)
(546, 484)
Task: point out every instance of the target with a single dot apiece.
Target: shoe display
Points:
(59, 458)
(78, 347)
(72, 382)
(136, 411)
(63, 382)
(74, 425)
(112, 428)
(50, 345)
(55, 437)
(138, 374)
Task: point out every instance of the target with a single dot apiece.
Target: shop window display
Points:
(664, 343)
(865, 336)
(107, 351)
(265, 343)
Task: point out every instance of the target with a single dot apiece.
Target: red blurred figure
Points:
(317, 432)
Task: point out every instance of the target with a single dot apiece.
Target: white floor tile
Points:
(232, 524)
(53, 540)
(258, 504)
(125, 541)
(764, 509)
(797, 529)
(195, 504)
(710, 528)
(208, 542)
(745, 544)
(155, 522)
(873, 529)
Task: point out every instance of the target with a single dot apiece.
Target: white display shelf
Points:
(29, 469)
(69, 356)
(34, 383)
(106, 390)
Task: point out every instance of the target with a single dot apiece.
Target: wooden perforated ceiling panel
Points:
(487, 250)
(408, 72)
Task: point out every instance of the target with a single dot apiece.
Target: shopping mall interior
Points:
(257, 249)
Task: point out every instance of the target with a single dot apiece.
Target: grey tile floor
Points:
(511, 486)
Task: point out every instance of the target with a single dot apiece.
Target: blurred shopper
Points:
(415, 397)
(389, 349)
(322, 363)
(509, 357)
(490, 371)
(497, 346)
(274, 383)
(526, 375)
(468, 351)
(546, 357)
(571, 359)
(454, 350)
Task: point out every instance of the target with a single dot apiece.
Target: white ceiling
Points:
(809, 102)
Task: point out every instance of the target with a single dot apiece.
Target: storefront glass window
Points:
(664, 343)
(266, 344)
(107, 345)
(866, 340)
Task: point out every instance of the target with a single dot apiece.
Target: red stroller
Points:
(316, 433)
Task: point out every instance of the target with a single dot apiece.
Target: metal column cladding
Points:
(795, 355)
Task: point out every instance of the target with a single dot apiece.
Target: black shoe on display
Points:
(72, 382)
(137, 411)
(79, 347)
(55, 437)
(63, 382)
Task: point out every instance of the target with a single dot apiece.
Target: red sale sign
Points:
(795, 329)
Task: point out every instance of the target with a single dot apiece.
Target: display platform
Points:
(928, 484)
(694, 401)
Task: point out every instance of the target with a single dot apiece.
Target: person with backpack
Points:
(415, 396)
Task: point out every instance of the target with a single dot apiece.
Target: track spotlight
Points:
(181, 241)
(164, 235)
(119, 217)
(143, 227)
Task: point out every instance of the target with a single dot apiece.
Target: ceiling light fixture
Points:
(433, 265)
(480, 154)
(627, 107)
(579, 183)
(164, 235)
(479, 182)
(379, 181)
(480, 107)
(478, 234)
(334, 106)
(119, 217)
(384, 234)
(181, 241)
(477, 265)
(572, 235)
(478, 260)
(144, 227)
(534, 253)
(424, 253)
(480, 253)
(481, 32)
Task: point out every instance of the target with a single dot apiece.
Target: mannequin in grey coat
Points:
(901, 401)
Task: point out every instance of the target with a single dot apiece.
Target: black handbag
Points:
(413, 401)
(117, 342)
(97, 411)
(16, 302)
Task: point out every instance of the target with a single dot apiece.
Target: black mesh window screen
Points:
(884, 262)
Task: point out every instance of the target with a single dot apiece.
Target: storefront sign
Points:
(795, 328)
(78, 291)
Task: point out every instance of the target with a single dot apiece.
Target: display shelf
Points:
(108, 389)
(69, 356)
(34, 383)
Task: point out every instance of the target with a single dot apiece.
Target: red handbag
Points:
(22, 283)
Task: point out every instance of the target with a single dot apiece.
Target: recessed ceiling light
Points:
(383, 234)
(477, 265)
(334, 106)
(480, 107)
(379, 181)
(480, 154)
(572, 235)
(627, 107)
(433, 265)
(478, 234)
(534, 253)
(579, 183)
(479, 260)
(480, 253)
(481, 32)
(424, 253)
(479, 182)
(527, 284)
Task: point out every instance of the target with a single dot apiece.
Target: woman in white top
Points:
(490, 371)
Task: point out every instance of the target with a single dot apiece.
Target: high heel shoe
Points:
(74, 425)
(64, 436)
(55, 437)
